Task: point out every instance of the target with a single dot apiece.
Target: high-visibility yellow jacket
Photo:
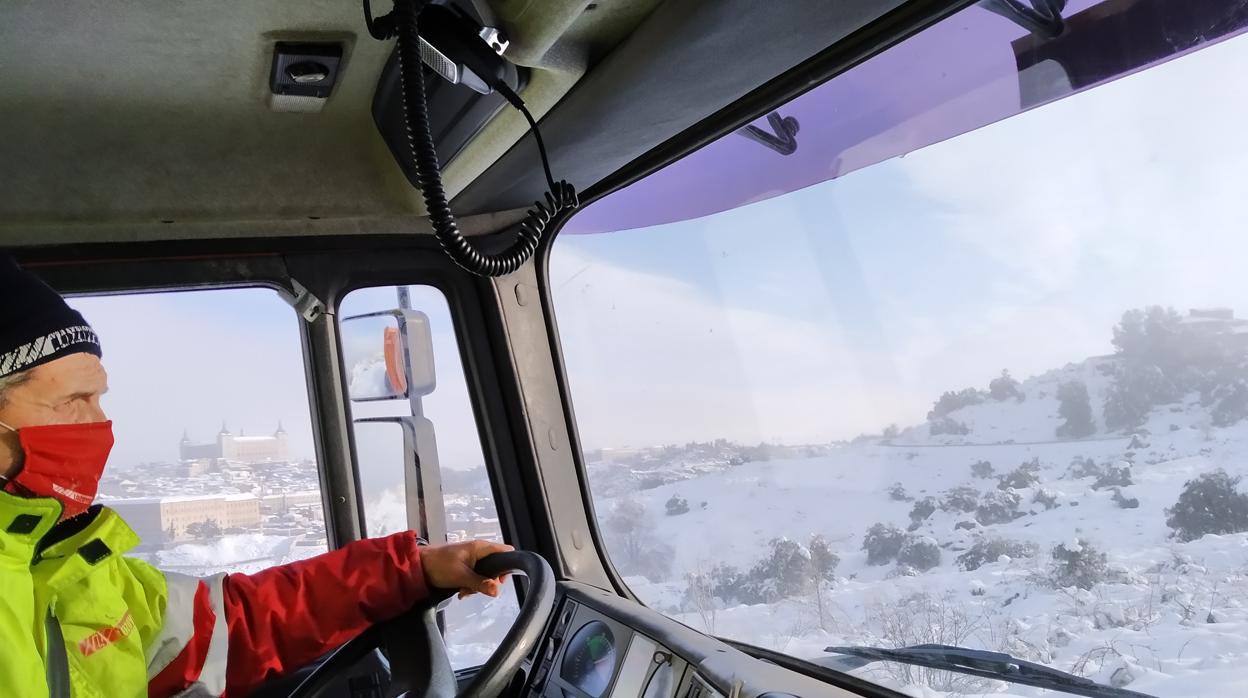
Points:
(79, 619)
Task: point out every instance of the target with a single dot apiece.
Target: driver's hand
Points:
(450, 566)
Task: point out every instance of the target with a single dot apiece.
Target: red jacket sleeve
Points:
(281, 618)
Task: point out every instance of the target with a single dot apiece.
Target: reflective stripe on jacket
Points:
(130, 630)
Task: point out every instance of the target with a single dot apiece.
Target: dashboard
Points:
(602, 646)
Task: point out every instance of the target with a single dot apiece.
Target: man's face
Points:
(64, 391)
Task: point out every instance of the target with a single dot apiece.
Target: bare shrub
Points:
(636, 548)
(921, 619)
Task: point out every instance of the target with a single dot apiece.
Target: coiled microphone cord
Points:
(559, 201)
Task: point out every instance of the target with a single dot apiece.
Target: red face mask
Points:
(64, 461)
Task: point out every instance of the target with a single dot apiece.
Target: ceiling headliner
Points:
(147, 120)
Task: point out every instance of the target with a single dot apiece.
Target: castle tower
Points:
(225, 442)
(283, 449)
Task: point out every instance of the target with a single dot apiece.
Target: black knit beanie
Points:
(36, 326)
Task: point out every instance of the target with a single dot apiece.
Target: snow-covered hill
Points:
(1164, 617)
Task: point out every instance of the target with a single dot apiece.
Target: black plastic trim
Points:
(730, 668)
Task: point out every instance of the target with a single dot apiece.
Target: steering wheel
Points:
(419, 664)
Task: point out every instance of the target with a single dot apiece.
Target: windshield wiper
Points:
(989, 665)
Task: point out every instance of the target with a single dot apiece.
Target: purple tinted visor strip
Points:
(968, 71)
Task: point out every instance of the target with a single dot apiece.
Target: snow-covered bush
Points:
(1083, 467)
(204, 530)
(1115, 475)
(919, 553)
(997, 507)
(882, 543)
(1232, 407)
(1209, 504)
(1076, 408)
(677, 506)
(947, 425)
(964, 499)
(1150, 336)
(952, 401)
(1136, 389)
(922, 509)
(1044, 498)
(986, 550)
(790, 569)
(1123, 501)
(1005, 387)
(1077, 565)
(981, 469)
(1022, 477)
(897, 493)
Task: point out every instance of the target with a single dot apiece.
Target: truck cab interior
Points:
(660, 292)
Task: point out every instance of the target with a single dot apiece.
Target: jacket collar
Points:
(24, 522)
(59, 553)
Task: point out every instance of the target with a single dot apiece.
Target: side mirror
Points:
(388, 355)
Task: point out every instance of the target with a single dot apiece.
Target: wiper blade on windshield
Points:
(989, 665)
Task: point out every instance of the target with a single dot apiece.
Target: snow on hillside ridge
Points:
(1035, 418)
(1162, 617)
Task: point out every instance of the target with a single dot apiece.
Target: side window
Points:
(213, 465)
(418, 448)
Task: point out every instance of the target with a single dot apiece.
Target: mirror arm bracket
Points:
(309, 307)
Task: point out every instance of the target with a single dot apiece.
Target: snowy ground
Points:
(1170, 619)
(245, 553)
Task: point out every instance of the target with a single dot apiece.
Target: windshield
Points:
(991, 394)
